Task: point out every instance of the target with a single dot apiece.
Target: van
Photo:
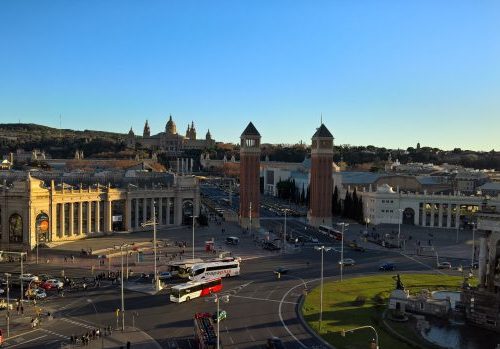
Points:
(231, 240)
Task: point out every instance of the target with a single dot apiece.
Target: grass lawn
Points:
(342, 311)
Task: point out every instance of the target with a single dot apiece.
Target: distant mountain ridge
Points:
(22, 129)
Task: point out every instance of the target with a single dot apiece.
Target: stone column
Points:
(128, 214)
(178, 211)
(160, 211)
(432, 214)
(80, 218)
(457, 216)
(136, 214)
(440, 216)
(448, 217)
(483, 250)
(144, 211)
(89, 217)
(168, 210)
(97, 215)
(424, 214)
(108, 216)
(61, 220)
(71, 219)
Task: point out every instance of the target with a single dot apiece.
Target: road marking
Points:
(425, 265)
(266, 300)
(21, 334)
(76, 323)
(54, 333)
(24, 342)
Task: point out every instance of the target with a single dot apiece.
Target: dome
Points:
(170, 127)
(385, 188)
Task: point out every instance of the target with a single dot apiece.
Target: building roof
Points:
(490, 186)
(322, 131)
(430, 180)
(359, 177)
(250, 131)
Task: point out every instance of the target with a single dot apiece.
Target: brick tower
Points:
(320, 209)
(250, 177)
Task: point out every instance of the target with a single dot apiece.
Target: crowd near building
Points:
(51, 206)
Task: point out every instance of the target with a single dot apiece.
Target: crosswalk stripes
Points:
(54, 333)
(77, 323)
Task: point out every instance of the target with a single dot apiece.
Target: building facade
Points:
(321, 188)
(170, 142)
(386, 205)
(33, 209)
(250, 178)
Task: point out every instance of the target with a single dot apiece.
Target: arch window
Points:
(15, 228)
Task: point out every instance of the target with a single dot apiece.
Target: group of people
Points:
(85, 338)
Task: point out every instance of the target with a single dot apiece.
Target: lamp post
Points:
(322, 249)
(473, 243)
(97, 317)
(343, 333)
(400, 218)
(193, 216)
(7, 275)
(122, 293)
(344, 225)
(217, 300)
(153, 223)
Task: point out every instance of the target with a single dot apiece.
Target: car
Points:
(28, 277)
(281, 270)
(270, 246)
(222, 316)
(166, 275)
(44, 277)
(314, 240)
(355, 247)
(387, 267)
(444, 265)
(2, 291)
(51, 284)
(274, 343)
(36, 293)
(348, 262)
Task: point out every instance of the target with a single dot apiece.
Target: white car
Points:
(28, 277)
(444, 265)
(165, 275)
(348, 262)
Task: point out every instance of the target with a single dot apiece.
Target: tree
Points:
(335, 202)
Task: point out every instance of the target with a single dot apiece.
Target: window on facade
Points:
(15, 228)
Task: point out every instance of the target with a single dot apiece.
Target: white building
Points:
(386, 205)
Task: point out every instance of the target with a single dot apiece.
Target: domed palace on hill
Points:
(170, 142)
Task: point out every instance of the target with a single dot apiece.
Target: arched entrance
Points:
(42, 228)
(409, 216)
(15, 228)
(187, 212)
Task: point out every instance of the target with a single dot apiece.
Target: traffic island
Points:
(362, 301)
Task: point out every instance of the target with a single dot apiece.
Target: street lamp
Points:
(7, 275)
(322, 249)
(217, 300)
(473, 243)
(400, 218)
(153, 223)
(284, 232)
(97, 317)
(193, 216)
(343, 333)
(122, 294)
(344, 225)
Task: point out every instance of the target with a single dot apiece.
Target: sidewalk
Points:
(138, 340)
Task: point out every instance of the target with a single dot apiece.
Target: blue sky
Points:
(387, 73)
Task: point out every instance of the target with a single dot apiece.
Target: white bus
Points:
(215, 270)
(329, 231)
(194, 289)
(182, 268)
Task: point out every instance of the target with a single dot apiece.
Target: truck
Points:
(205, 336)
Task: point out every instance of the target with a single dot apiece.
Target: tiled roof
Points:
(322, 131)
(250, 131)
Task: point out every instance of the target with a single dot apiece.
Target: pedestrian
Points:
(22, 309)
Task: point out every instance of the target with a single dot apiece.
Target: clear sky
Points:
(386, 73)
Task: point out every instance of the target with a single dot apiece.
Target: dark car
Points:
(281, 270)
(274, 343)
(270, 246)
(387, 267)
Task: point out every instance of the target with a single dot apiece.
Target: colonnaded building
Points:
(51, 207)
(455, 210)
